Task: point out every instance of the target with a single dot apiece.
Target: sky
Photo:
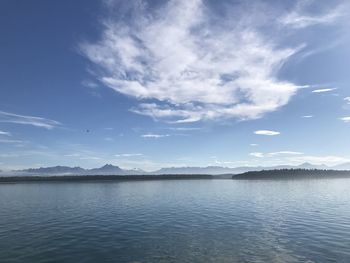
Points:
(151, 84)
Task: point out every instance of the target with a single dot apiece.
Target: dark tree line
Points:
(68, 178)
(292, 174)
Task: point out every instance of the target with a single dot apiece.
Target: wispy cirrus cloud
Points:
(184, 62)
(84, 154)
(323, 90)
(273, 154)
(300, 18)
(345, 119)
(154, 136)
(128, 155)
(297, 158)
(285, 153)
(90, 158)
(72, 155)
(267, 132)
(10, 141)
(307, 116)
(257, 154)
(5, 133)
(184, 128)
(28, 120)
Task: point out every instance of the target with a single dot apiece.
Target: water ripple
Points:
(176, 221)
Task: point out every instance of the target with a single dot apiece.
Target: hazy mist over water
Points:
(176, 221)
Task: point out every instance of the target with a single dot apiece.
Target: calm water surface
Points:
(176, 221)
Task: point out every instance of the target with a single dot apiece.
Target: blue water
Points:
(176, 221)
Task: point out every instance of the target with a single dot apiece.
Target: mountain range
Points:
(107, 169)
(110, 169)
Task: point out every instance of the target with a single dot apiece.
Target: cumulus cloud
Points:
(267, 132)
(347, 100)
(185, 63)
(323, 90)
(28, 120)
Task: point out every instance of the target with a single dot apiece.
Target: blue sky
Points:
(150, 84)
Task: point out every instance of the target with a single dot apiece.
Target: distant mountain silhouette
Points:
(54, 170)
(107, 169)
(194, 170)
(216, 170)
(312, 166)
(110, 169)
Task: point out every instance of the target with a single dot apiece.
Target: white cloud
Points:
(254, 144)
(184, 128)
(323, 47)
(323, 90)
(128, 155)
(10, 155)
(72, 155)
(345, 119)
(184, 63)
(90, 158)
(267, 132)
(89, 84)
(257, 154)
(5, 133)
(28, 120)
(285, 153)
(273, 154)
(155, 136)
(299, 18)
(92, 87)
(307, 116)
(10, 141)
(347, 100)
